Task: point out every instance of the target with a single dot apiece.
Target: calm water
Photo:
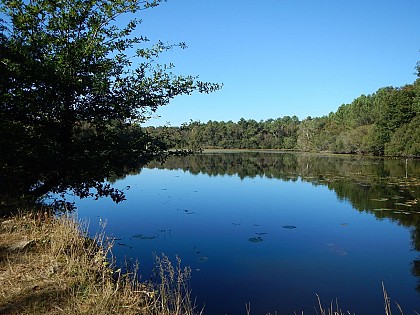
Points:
(275, 229)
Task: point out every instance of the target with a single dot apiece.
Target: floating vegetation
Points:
(412, 202)
(397, 197)
(379, 199)
(144, 237)
(202, 259)
(403, 204)
(402, 212)
(257, 239)
(125, 245)
(289, 227)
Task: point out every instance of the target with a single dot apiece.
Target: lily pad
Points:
(289, 227)
(125, 245)
(144, 237)
(257, 239)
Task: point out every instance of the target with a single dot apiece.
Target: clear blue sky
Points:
(278, 58)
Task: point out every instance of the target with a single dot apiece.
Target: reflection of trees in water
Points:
(53, 168)
(416, 271)
(386, 188)
(415, 266)
(379, 186)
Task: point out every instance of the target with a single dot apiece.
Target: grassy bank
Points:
(49, 266)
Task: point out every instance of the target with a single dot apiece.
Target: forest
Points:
(72, 105)
(386, 122)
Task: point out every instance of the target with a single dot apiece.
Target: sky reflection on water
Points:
(270, 242)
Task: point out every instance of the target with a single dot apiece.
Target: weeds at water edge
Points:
(48, 265)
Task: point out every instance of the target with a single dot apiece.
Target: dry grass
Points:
(49, 266)
(334, 309)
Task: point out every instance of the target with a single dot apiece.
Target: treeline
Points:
(386, 122)
(278, 133)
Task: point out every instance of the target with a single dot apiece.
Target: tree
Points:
(74, 87)
(406, 140)
(397, 108)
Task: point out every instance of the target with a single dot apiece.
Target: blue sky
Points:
(278, 58)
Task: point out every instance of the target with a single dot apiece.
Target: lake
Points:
(274, 229)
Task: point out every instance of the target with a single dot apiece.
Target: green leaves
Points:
(68, 63)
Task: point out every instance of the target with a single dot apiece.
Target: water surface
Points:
(273, 229)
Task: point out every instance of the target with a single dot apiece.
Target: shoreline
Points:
(319, 153)
(48, 265)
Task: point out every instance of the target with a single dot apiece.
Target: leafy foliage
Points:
(74, 87)
(278, 133)
(385, 122)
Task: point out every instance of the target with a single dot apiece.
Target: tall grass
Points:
(48, 265)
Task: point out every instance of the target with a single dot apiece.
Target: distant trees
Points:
(405, 140)
(280, 133)
(384, 123)
(369, 122)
